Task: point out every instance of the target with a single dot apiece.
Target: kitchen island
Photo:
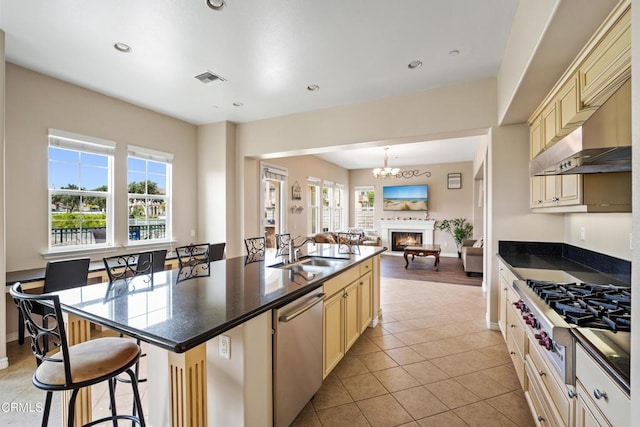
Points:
(180, 314)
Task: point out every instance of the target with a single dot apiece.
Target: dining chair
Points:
(255, 245)
(282, 244)
(216, 251)
(58, 276)
(74, 367)
(156, 259)
(121, 267)
(193, 254)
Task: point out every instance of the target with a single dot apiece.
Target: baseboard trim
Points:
(4, 363)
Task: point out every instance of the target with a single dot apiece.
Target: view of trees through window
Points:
(147, 188)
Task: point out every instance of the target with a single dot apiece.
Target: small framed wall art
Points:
(295, 191)
(454, 181)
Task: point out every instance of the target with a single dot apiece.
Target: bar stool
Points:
(193, 254)
(282, 244)
(256, 247)
(216, 251)
(71, 368)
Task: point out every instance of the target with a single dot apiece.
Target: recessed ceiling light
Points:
(415, 64)
(238, 104)
(215, 4)
(214, 106)
(313, 88)
(454, 52)
(122, 47)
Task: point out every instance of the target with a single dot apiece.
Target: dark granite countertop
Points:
(177, 313)
(546, 261)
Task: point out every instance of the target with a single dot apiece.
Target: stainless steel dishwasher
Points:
(297, 353)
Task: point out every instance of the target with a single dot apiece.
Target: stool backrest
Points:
(282, 244)
(124, 266)
(217, 251)
(61, 275)
(193, 254)
(46, 331)
(151, 262)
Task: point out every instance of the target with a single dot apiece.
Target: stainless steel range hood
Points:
(602, 144)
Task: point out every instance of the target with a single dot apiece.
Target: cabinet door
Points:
(549, 196)
(585, 417)
(333, 332)
(608, 66)
(502, 304)
(535, 137)
(570, 189)
(351, 325)
(536, 191)
(549, 124)
(365, 302)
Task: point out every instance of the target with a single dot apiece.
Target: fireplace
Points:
(422, 227)
(400, 239)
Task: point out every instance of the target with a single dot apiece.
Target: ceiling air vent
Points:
(208, 77)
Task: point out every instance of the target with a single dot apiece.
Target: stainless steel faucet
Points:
(294, 250)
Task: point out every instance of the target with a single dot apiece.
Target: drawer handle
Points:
(571, 394)
(504, 289)
(541, 418)
(513, 326)
(599, 394)
(512, 353)
(542, 373)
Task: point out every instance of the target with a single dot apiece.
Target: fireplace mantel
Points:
(427, 226)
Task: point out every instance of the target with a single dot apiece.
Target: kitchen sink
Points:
(313, 264)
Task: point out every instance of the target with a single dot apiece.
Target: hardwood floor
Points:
(450, 270)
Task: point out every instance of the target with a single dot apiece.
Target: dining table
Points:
(178, 312)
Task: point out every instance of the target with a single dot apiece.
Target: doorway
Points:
(273, 188)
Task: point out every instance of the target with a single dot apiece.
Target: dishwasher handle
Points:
(290, 317)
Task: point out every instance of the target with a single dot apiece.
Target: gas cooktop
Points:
(586, 304)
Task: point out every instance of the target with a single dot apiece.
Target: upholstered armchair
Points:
(472, 256)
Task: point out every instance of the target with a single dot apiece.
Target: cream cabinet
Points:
(348, 310)
(506, 278)
(598, 71)
(333, 332)
(608, 64)
(365, 301)
(601, 401)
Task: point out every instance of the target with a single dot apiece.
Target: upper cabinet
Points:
(600, 69)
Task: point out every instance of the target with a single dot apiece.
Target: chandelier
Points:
(386, 171)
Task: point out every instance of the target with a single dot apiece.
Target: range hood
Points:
(602, 144)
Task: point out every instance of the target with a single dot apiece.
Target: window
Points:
(80, 191)
(149, 188)
(313, 185)
(364, 198)
(332, 206)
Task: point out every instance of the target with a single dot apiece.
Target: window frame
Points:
(64, 140)
(313, 205)
(369, 213)
(148, 154)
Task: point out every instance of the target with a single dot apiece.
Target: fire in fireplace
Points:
(400, 239)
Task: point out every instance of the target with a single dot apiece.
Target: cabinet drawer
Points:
(515, 328)
(548, 379)
(613, 402)
(366, 266)
(517, 359)
(542, 413)
(338, 283)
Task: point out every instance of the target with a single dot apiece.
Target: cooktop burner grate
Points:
(587, 304)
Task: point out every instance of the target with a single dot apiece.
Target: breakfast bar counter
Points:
(178, 312)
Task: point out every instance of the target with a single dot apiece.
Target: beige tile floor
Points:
(431, 362)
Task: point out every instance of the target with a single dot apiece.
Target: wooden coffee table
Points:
(424, 250)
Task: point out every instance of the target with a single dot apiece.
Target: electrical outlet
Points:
(224, 346)
(582, 233)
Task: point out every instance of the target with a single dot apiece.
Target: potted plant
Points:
(459, 228)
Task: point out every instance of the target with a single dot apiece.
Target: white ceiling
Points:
(417, 153)
(269, 51)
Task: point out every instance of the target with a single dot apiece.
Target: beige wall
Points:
(608, 233)
(3, 301)
(36, 103)
(216, 183)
